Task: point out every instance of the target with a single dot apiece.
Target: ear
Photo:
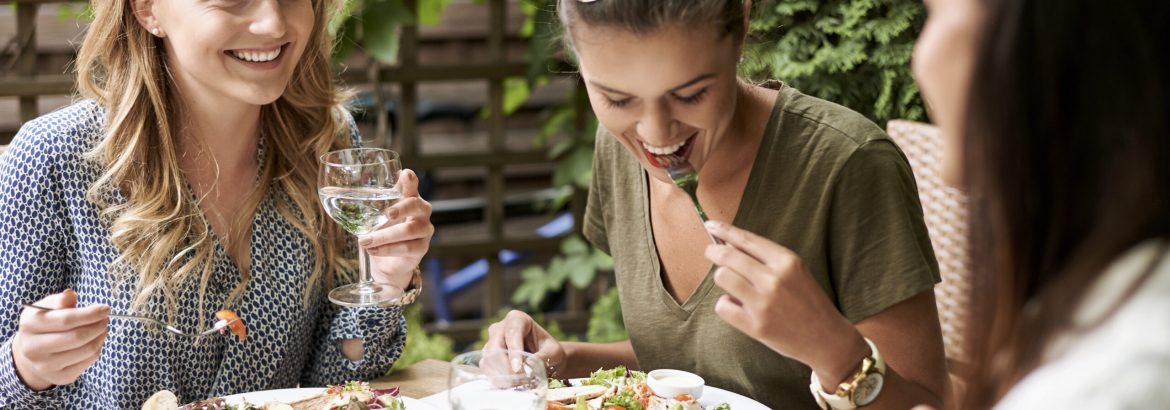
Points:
(144, 13)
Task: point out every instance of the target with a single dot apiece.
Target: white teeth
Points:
(663, 150)
(257, 56)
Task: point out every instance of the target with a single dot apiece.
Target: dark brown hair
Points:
(1067, 160)
(646, 16)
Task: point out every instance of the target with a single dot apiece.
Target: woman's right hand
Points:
(519, 332)
(53, 348)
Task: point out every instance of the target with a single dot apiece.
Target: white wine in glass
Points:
(356, 187)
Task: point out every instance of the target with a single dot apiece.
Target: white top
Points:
(1124, 363)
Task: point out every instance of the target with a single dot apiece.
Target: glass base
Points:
(367, 294)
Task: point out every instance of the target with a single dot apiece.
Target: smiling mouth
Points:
(257, 56)
(663, 157)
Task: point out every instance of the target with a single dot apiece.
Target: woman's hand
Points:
(519, 332)
(397, 248)
(773, 299)
(55, 347)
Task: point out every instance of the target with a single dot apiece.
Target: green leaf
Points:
(575, 169)
(419, 344)
(516, 92)
(558, 272)
(582, 274)
(574, 245)
(346, 40)
(430, 12)
(601, 261)
(605, 319)
(380, 22)
(532, 288)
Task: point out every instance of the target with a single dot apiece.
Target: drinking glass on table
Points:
(494, 379)
(356, 187)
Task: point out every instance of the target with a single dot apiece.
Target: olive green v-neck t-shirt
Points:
(826, 183)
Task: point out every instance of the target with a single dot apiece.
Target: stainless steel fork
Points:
(685, 177)
(174, 330)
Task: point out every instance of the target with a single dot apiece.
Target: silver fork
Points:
(220, 325)
(685, 177)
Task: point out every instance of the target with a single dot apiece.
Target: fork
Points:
(685, 177)
(220, 325)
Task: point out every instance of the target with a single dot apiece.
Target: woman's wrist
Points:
(21, 366)
(840, 359)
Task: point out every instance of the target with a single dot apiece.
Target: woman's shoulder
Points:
(1122, 359)
(821, 121)
(71, 130)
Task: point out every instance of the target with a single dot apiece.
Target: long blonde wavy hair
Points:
(160, 233)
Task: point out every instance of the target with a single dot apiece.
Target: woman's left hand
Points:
(398, 246)
(773, 299)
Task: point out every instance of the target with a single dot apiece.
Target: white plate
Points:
(290, 395)
(713, 396)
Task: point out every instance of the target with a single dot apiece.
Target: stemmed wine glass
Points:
(356, 187)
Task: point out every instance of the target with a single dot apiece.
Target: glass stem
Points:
(367, 276)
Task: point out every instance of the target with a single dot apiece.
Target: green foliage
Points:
(380, 23)
(74, 12)
(852, 52)
(605, 319)
(373, 25)
(420, 345)
(577, 264)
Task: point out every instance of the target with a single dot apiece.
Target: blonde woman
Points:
(185, 183)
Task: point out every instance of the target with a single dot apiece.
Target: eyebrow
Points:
(693, 81)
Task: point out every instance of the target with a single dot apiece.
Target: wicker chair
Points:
(945, 210)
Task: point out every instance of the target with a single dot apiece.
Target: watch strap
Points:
(835, 401)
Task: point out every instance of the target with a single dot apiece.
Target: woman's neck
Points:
(746, 131)
(220, 133)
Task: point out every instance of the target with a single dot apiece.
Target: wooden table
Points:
(420, 380)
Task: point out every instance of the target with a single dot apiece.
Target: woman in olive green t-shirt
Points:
(830, 248)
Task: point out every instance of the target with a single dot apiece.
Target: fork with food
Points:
(227, 321)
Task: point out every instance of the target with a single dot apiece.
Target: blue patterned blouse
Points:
(51, 239)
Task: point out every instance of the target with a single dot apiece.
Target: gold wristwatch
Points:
(858, 390)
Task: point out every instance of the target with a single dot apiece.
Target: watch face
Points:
(868, 389)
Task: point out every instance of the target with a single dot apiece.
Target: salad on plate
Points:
(617, 389)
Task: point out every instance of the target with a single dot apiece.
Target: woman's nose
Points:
(656, 125)
(268, 19)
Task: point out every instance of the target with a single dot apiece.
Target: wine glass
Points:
(494, 379)
(356, 187)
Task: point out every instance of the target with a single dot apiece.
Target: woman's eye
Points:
(612, 103)
(693, 98)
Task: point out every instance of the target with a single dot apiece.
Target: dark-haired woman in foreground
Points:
(1057, 117)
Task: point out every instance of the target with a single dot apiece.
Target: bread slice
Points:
(569, 394)
(162, 400)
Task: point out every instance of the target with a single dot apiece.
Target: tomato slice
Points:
(236, 327)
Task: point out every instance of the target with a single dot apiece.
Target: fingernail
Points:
(713, 225)
(392, 214)
(517, 364)
(365, 241)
